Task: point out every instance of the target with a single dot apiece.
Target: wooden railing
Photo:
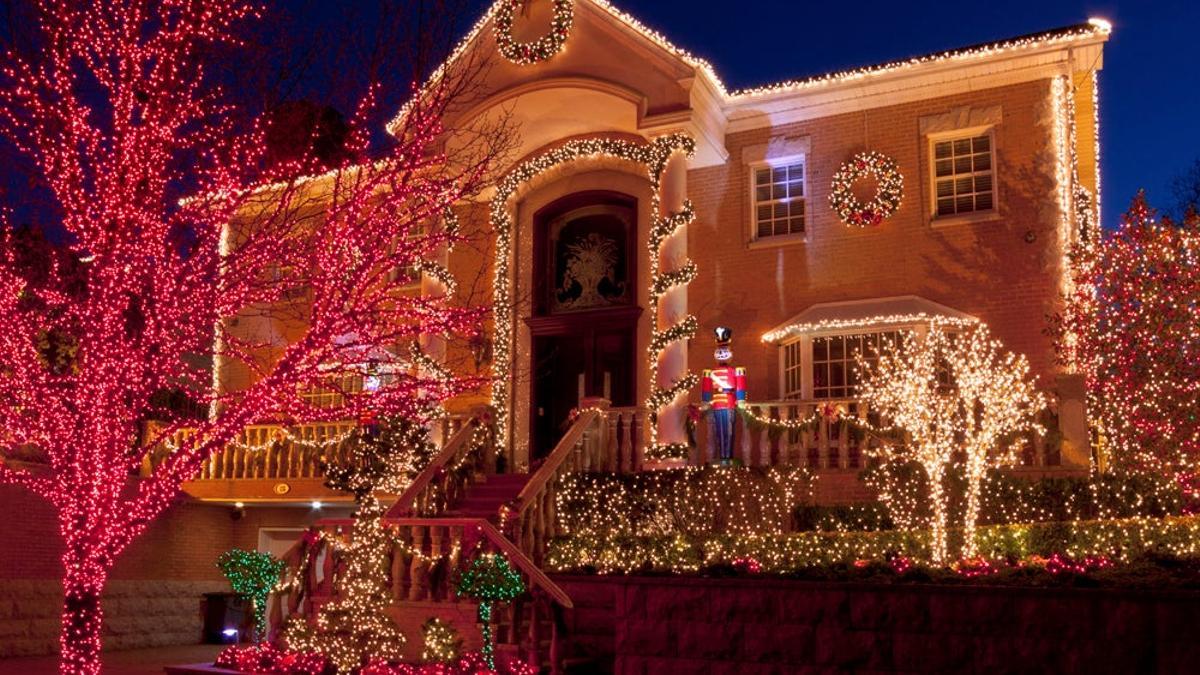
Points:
(420, 567)
(833, 443)
(585, 446)
(269, 454)
(469, 453)
(626, 431)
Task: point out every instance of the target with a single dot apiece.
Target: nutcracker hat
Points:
(724, 336)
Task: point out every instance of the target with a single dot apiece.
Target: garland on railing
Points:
(654, 157)
(858, 427)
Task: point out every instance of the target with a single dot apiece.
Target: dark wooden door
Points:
(594, 361)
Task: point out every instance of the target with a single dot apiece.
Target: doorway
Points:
(585, 319)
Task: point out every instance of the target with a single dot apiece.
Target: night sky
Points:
(1149, 88)
(1150, 98)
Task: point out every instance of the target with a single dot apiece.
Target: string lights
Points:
(890, 187)
(1093, 29)
(653, 157)
(115, 115)
(489, 580)
(952, 392)
(542, 49)
(1130, 328)
(252, 575)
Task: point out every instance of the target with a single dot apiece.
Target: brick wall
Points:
(986, 268)
(153, 596)
(655, 625)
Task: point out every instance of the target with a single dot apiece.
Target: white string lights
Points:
(653, 157)
(1094, 28)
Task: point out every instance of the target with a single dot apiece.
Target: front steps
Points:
(483, 500)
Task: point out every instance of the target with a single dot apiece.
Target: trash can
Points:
(225, 618)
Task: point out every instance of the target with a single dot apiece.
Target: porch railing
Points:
(271, 451)
(832, 443)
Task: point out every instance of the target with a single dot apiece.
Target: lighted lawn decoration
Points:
(355, 629)
(252, 575)
(489, 580)
(442, 643)
(1131, 328)
(953, 389)
(175, 217)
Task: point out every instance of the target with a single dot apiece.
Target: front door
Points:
(585, 318)
(594, 361)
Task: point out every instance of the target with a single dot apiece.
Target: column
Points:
(672, 307)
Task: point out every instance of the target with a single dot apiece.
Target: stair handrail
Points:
(532, 521)
(591, 413)
(456, 449)
(511, 551)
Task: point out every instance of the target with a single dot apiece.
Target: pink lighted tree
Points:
(175, 218)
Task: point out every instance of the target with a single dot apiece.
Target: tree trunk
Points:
(82, 618)
(974, 490)
(937, 542)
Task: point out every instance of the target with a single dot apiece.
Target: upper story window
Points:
(963, 174)
(778, 195)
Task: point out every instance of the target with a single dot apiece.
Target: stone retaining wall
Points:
(660, 625)
(136, 614)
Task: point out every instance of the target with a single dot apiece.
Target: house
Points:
(988, 156)
(648, 203)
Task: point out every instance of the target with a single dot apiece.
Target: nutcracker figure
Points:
(723, 389)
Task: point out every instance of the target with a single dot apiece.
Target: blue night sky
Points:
(1149, 88)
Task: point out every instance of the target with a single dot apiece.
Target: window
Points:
(834, 367)
(779, 199)
(793, 375)
(963, 175)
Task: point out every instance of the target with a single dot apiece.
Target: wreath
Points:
(886, 200)
(526, 53)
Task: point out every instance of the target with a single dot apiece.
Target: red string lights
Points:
(1130, 328)
(116, 114)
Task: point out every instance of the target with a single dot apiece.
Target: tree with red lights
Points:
(176, 219)
(1131, 327)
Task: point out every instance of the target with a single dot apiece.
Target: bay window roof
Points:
(872, 312)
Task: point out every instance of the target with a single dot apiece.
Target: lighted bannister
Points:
(600, 439)
(424, 552)
(468, 454)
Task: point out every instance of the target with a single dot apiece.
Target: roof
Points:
(1093, 28)
(896, 310)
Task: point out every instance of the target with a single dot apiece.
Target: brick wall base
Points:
(656, 625)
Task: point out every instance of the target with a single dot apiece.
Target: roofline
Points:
(1092, 29)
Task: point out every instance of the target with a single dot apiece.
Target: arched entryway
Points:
(583, 327)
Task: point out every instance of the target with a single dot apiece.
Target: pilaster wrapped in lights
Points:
(654, 157)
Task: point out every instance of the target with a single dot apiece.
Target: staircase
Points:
(484, 499)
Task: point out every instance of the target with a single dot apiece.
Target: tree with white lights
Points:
(176, 218)
(955, 393)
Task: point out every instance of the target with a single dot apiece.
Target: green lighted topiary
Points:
(252, 575)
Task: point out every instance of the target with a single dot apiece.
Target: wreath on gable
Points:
(886, 200)
(527, 53)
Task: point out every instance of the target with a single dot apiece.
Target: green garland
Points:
(252, 575)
